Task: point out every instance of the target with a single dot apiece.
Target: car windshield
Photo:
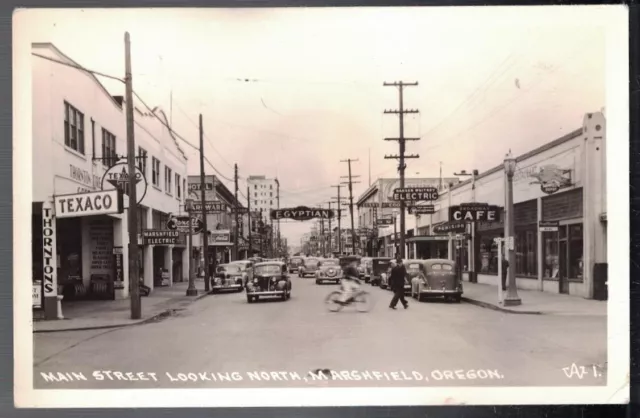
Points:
(296, 261)
(330, 263)
(232, 268)
(311, 262)
(268, 269)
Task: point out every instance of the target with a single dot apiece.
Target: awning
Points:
(423, 238)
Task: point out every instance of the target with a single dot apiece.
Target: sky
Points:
(289, 93)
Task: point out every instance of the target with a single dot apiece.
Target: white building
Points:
(263, 194)
(79, 132)
(563, 182)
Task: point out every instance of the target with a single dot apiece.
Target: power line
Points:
(78, 67)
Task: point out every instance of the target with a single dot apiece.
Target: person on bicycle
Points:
(350, 281)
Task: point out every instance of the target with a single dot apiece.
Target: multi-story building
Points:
(221, 225)
(263, 193)
(80, 218)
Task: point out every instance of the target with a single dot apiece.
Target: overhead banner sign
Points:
(422, 210)
(474, 212)
(210, 207)
(302, 213)
(220, 237)
(384, 221)
(412, 194)
(383, 205)
(548, 226)
(160, 237)
(182, 223)
(454, 227)
(89, 204)
(117, 177)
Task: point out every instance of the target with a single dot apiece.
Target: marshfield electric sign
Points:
(413, 194)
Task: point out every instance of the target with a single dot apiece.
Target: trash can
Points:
(600, 278)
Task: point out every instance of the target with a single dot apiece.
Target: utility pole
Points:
(350, 183)
(250, 253)
(205, 230)
(237, 228)
(339, 215)
(132, 215)
(191, 290)
(278, 205)
(322, 238)
(401, 140)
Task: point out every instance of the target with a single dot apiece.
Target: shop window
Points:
(69, 248)
(526, 252)
(563, 252)
(73, 128)
(155, 171)
(488, 260)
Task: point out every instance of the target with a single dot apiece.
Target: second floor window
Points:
(167, 179)
(73, 128)
(109, 156)
(155, 172)
(178, 187)
(142, 160)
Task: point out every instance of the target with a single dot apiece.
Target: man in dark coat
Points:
(505, 267)
(396, 283)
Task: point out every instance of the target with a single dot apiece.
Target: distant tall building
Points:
(263, 194)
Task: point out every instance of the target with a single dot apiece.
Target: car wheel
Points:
(249, 298)
(457, 298)
(284, 296)
(317, 281)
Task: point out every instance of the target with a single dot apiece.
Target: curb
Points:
(498, 308)
(154, 318)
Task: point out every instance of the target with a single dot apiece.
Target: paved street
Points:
(440, 344)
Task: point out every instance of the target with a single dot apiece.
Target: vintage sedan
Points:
(437, 278)
(329, 271)
(366, 263)
(379, 265)
(309, 267)
(270, 279)
(410, 266)
(247, 268)
(294, 263)
(228, 277)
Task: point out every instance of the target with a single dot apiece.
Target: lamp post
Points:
(512, 298)
(474, 244)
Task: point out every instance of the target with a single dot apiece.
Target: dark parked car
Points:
(436, 277)
(295, 263)
(379, 265)
(270, 279)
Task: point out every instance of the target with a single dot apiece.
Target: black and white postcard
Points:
(321, 206)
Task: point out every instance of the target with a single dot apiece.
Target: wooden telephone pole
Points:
(250, 253)
(132, 215)
(401, 141)
(339, 215)
(235, 210)
(350, 183)
(205, 230)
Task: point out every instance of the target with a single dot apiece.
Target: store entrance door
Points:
(563, 282)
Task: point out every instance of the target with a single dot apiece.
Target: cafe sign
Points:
(301, 213)
(104, 202)
(474, 212)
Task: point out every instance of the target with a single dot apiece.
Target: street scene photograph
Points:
(336, 198)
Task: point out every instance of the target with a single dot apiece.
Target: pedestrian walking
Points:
(396, 283)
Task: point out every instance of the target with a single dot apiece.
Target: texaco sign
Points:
(117, 177)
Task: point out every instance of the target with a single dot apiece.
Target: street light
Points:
(472, 227)
(512, 298)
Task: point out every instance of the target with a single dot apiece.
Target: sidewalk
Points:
(99, 314)
(533, 302)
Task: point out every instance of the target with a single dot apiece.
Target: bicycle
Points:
(360, 299)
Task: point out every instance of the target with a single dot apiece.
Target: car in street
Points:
(409, 266)
(379, 265)
(294, 263)
(329, 271)
(437, 277)
(228, 277)
(270, 279)
(308, 267)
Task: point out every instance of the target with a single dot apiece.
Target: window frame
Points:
(73, 124)
(109, 153)
(155, 172)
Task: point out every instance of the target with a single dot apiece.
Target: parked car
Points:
(228, 277)
(409, 266)
(437, 278)
(247, 268)
(379, 265)
(329, 271)
(309, 267)
(294, 264)
(270, 279)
